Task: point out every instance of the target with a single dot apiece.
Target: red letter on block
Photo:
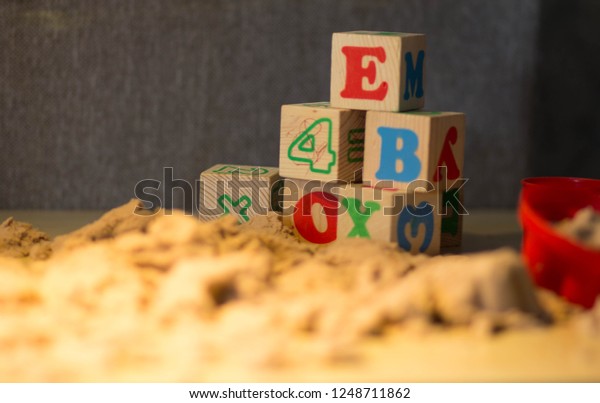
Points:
(355, 73)
(304, 221)
(447, 157)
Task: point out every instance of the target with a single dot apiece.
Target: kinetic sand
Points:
(165, 297)
(583, 228)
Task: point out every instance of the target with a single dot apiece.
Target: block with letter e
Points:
(382, 71)
(240, 190)
(321, 142)
(406, 147)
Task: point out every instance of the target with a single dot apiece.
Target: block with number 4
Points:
(321, 142)
(240, 190)
(406, 147)
(378, 70)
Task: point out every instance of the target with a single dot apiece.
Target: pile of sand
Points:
(19, 239)
(583, 228)
(164, 296)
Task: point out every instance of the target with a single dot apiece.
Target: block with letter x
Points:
(409, 219)
(240, 190)
(382, 71)
(321, 142)
(322, 213)
(406, 147)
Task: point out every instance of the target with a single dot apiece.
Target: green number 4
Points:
(313, 147)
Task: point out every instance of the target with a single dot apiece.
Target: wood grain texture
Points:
(242, 190)
(391, 72)
(381, 210)
(431, 130)
(359, 211)
(335, 152)
(312, 214)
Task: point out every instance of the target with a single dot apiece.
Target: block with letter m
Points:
(382, 71)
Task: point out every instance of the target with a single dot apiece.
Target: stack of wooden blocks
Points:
(370, 163)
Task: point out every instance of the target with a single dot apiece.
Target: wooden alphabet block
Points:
(408, 149)
(244, 191)
(452, 211)
(320, 142)
(311, 208)
(408, 219)
(382, 71)
(326, 212)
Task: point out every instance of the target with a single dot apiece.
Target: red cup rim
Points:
(561, 181)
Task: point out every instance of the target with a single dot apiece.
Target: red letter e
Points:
(355, 73)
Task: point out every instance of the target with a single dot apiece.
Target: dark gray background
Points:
(98, 95)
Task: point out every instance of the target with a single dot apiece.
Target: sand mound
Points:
(164, 296)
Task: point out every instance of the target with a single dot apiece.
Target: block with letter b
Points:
(382, 71)
(320, 142)
(402, 147)
(240, 190)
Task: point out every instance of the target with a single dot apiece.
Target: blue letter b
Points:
(390, 154)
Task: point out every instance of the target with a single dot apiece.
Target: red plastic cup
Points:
(555, 261)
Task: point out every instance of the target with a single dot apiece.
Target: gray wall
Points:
(98, 95)
(565, 137)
